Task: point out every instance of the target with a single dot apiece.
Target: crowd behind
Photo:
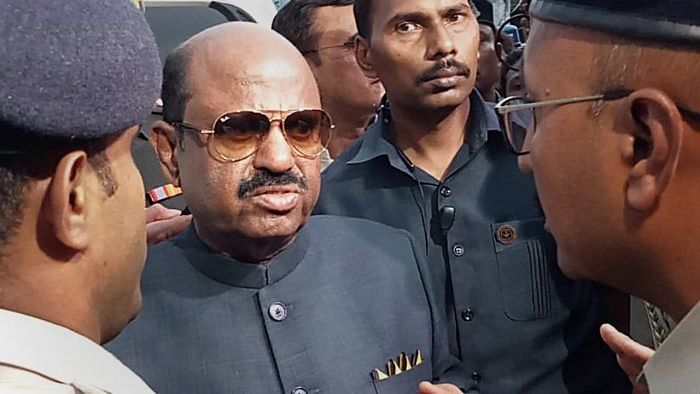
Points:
(371, 196)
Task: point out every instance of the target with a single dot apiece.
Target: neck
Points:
(676, 293)
(430, 138)
(349, 126)
(38, 292)
(243, 248)
(669, 277)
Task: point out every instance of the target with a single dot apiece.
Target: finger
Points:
(426, 388)
(429, 388)
(625, 346)
(158, 212)
(631, 368)
(162, 230)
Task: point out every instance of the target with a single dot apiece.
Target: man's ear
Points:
(363, 58)
(164, 141)
(654, 147)
(67, 200)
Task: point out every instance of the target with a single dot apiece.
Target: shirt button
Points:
(277, 311)
(476, 377)
(458, 250)
(506, 234)
(299, 390)
(468, 314)
(445, 191)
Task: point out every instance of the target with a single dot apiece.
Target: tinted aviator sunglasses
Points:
(238, 135)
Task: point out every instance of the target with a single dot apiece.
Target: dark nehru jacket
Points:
(344, 298)
(517, 324)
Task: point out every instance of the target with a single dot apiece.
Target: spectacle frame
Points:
(237, 135)
(517, 114)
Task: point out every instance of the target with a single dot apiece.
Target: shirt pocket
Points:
(405, 382)
(525, 253)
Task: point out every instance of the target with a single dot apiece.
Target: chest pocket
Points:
(406, 382)
(526, 256)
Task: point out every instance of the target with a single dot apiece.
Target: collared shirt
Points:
(37, 356)
(516, 323)
(342, 299)
(325, 159)
(675, 367)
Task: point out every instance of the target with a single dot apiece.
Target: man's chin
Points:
(451, 98)
(568, 266)
(276, 226)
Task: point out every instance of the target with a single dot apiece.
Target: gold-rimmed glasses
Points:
(237, 135)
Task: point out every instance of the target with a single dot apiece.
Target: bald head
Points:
(244, 61)
(256, 90)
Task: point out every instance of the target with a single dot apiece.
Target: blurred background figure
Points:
(511, 83)
(324, 32)
(488, 66)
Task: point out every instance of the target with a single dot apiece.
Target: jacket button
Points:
(299, 390)
(458, 250)
(277, 311)
(468, 314)
(476, 377)
(445, 191)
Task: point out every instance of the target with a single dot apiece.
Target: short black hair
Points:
(363, 17)
(30, 156)
(176, 92)
(295, 22)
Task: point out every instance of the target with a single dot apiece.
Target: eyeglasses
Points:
(517, 114)
(347, 45)
(238, 135)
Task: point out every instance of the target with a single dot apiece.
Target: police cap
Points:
(671, 21)
(75, 69)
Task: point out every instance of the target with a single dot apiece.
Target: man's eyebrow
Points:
(455, 8)
(406, 16)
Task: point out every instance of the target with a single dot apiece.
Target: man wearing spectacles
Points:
(324, 32)
(436, 164)
(613, 146)
(255, 297)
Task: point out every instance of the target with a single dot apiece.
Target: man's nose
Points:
(442, 43)
(274, 154)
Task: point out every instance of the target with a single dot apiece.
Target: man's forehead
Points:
(486, 31)
(554, 60)
(334, 18)
(390, 8)
(253, 92)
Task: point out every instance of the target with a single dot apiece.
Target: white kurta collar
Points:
(675, 367)
(63, 355)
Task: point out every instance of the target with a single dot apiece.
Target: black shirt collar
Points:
(377, 140)
(225, 269)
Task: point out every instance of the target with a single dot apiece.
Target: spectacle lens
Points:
(516, 126)
(238, 135)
